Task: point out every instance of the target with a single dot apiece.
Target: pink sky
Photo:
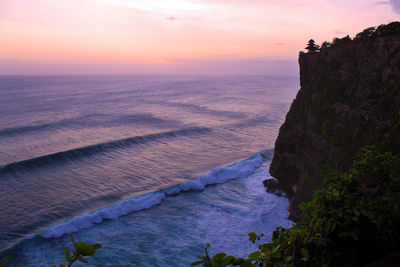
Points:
(174, 36)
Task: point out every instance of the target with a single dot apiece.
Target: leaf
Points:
(64, 264)
(276, 255)
(84, 249)
(246, 263)
(218, 257)
(3, 261)
(288, 259)
(67, 254)
(96, 246)
(304, 252)
(255, 255)
(229, 259)
(81, 259)
(276, 249)
(252, 237)
(72, 239)
(237, 261)
(304, 259)
(196, 263)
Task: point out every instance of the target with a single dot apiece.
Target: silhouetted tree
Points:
(392, 28)
(311, 46)
(325, 45)
(368, 32)
(343, 40)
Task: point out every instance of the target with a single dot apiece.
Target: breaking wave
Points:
(216, 176)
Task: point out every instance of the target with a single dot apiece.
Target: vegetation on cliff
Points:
(391, 29)
(351, 222)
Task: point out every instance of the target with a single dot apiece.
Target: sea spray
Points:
(216, 176)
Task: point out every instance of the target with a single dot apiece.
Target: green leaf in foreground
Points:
(3, 261)
(67, 254)
(196, 263)
(81, 249)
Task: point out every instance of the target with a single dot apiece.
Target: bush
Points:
(352, 221)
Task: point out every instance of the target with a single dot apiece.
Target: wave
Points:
(98, 148)
(90, 121)
(216, 176)
(203, 110)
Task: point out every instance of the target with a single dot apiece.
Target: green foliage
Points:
(81, 249)
(3, 261)
(352, 221)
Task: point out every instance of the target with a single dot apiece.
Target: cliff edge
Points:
(349, 98)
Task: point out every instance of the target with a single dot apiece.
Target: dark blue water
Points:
(153, 167)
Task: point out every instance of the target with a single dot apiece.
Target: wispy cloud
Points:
(172, 18)
(340, 32)
(394, 3)
(160, 5)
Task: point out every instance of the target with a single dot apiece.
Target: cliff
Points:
(349, 98)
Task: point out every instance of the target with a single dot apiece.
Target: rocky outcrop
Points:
(349, 98)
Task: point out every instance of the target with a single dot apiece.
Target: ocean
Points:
(151, 167)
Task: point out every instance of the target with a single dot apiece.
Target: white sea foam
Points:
(216, 176)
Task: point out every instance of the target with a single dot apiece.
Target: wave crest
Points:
(216, 176)
(97, 148)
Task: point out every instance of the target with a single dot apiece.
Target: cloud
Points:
(172, 18)
(340, 32)
(163, 6)
(394, 3)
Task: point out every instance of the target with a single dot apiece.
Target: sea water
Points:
(152, 167)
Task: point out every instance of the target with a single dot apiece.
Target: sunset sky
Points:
(174, 36)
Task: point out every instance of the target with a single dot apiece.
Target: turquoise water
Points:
(172, 233)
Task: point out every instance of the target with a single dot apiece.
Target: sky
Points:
(227, 37)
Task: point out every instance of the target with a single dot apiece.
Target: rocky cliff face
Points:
(349, 98)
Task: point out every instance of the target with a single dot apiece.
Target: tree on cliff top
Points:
(368, 32)
(311, 46)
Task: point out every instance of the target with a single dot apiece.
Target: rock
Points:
(391, 260)
(272, 186)
(349, 98)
